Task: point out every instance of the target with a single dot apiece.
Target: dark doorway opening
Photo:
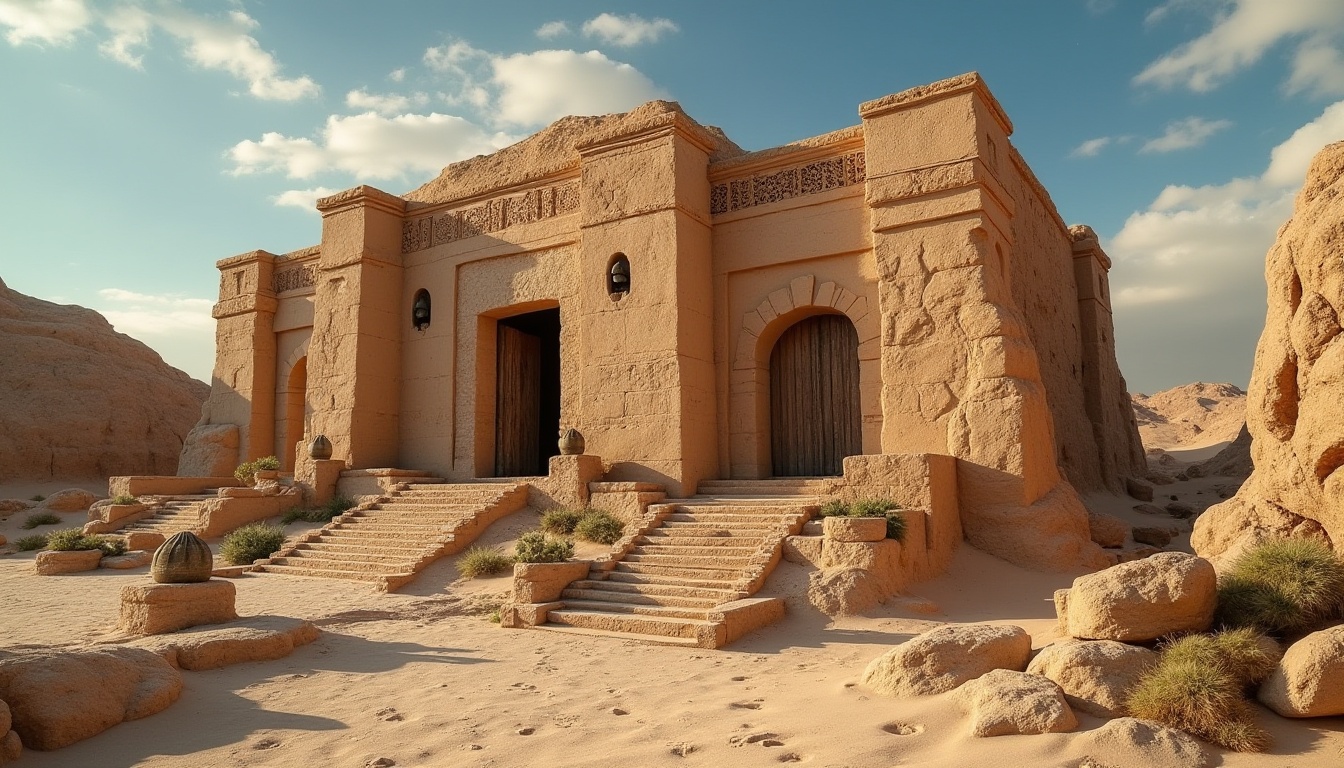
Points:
(814, 398)
(527, 396)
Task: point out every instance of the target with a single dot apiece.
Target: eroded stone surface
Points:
(1002, 702)
(1309, 680)
(256, 638)
(153, 609)
(1107, 530)
(55, 563)
(1096, 676)
(1139, 601)
(844, 591)
(942, 659)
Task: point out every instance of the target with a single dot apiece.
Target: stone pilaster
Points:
(243, 389)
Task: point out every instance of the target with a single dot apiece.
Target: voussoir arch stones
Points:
(803, 296)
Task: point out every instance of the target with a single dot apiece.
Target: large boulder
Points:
(1309, 679)
(1002, 702)
(942, 659)
(1130, 743)
(69, 500)
(1294, 410)
(1139, 601)
(256, 638)
(82, 400)
(1096, 676)
(1107, 530)
(844, 591)
(60, 697)
(210, 450)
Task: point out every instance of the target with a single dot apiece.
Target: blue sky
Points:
(142, 141)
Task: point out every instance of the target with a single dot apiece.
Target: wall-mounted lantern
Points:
(420, 310)
(618, 277)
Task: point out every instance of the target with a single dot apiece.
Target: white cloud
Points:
(536, 88)
(1240, 37)
(397, 75)
(552, 29)
(179, 328)
(1091, 147)
(221, 43)
(1188, 283)
(385, 103)
(369, 146)
(453, 57)
(1317, 68)
(43, 21)
(305, 199)
(627, 31)
(1185, 134)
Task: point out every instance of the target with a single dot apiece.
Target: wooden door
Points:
(517, 403)
(814, 397)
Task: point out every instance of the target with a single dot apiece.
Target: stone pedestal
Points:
(54, 563)
(318, 478)
(566, 484)
(153, 609)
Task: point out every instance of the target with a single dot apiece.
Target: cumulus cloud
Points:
(627, 31)
(1241, 36)
(552, 29)
(397, 75)
(369, 146)
(179, 328)
(384, 103)
(536, 88)
(55, 22)
(305, 199)
(220, 43)
(1091, 147)
(1188, 283)
(1185, 134)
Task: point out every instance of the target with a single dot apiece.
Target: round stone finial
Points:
(571, 442)
(183, 559)
(320, 449)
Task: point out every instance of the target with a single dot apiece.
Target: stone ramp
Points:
(389, 540)
(689, 577)
(174, 515)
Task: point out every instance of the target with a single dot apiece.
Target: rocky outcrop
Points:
(69, 500)
(1190, 416)
(944, 658)
(1170, 592)
(1096, 676)
(1232, 461)
(1309, 679)
(1293, 410)
(60, 697)
(82, 400)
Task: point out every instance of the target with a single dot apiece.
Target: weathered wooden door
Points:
(814, 397)
(517, 403)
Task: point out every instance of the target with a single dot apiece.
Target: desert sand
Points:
(423, 677)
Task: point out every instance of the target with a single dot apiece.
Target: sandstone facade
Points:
(666, 290)
(82, 400)
(1293, 406)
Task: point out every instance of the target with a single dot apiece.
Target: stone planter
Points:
(53, 563)
(265, 474)
(855, 528)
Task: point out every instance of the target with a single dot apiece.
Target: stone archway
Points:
(814, 397)
(293, 407)
(750, 453)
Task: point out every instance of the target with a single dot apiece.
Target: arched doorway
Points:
(527, 393)
(814, 397)
(296, 390)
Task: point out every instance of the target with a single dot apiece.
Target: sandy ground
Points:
(424, 678)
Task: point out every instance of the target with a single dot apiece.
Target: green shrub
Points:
(74, 540)
(40, 518)
(246, 472)
(599, 526)
(561, 522)
(320, 514)
(1282, 587)
(251, 542)
(537, 547)
(111, 547)
(834, 508)
(1199, 684)
(29, 543)
(483, 561)
(871, 507)
(124, 498)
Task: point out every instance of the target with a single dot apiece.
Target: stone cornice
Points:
(658, 126)
(245, 258)
(971, 81)
(245, 304)
(361, 196)
(797, 153)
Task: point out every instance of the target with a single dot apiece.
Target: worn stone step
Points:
(376, 538)
(715, 593)
(364, 525)
(662, 538)
(330, 546)
(693, 528)
(626, 623)
(356, 557)
(605, 595)
(354, 566)
(687, 572)
(733, 562)
(638, 609)
(677, 642)
(698, 580)
(678, 550)
(322, 573)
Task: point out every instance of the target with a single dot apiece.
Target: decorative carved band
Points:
(490, 216)
(807, 179)
(294, 278)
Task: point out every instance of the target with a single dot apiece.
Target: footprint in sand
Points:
(756, 704)
(903, 729)
(738, 679)
(790, 757)
(389, 714)
(266, 744)
(764, 738)
(681, 748)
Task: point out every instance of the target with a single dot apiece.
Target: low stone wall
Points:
(536, 590)
(380, 481)
(566, 482)
(225, 513)
(924, 485)
(166, 485)
(627, 502)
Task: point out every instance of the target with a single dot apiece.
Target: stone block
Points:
(145, 540)
(852, 529)
(804, 550)
(543, 582)
(134, 559)
(154, 609)
(54, 563)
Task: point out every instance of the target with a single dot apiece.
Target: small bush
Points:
(561, 522)
(834, 508)
(246, 472)
(483, 561)
(37, 497)
(251, 542)
(1282, 587)
(29, 543)
(871, 507)
(537, 547)
(321, 514)
(600, 527)
(1198, 686)
(74, 540)
(124, 498)
(40, 518)
(111, 547)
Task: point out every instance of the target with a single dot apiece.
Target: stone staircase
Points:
(173, 515)
(685, 578)
(389, 540)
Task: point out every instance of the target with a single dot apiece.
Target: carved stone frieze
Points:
(294, 278)
(489, 216)
(784, 183)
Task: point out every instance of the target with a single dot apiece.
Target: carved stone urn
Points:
(571, 442)
(183, 559)
(320, 448)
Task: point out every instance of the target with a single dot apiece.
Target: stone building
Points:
(897, 292)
